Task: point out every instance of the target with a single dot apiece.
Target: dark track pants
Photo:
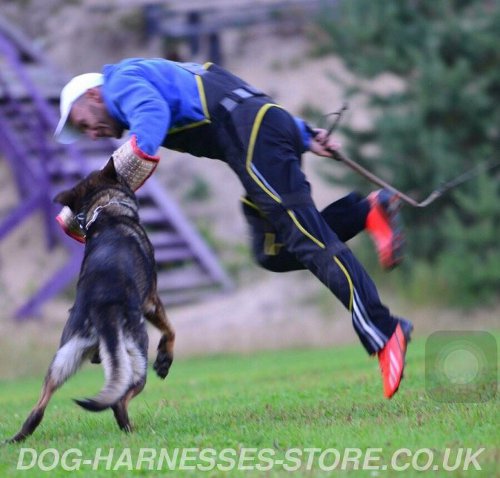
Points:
(264, 149)
(346, 217)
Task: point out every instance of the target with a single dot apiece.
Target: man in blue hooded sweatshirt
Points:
(207, 111)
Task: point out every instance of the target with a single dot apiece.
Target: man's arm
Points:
(139, 105)
(316, 139)
(136, 103)
(322, 144)
(133, 164)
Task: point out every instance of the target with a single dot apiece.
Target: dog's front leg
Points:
(156, 315)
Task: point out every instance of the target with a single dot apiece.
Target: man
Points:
(207, 111)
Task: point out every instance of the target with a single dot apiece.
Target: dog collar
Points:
(98, 209)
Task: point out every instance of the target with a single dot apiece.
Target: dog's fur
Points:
(116, 288)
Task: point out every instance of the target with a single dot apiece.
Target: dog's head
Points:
(78, 197)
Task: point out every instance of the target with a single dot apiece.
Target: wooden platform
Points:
(203, 22)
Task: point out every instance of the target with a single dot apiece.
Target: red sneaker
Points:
(383, 223)
(392, 357)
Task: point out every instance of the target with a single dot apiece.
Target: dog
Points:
(116, 290)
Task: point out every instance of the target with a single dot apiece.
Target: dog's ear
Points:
(66, 198)
(109, 171)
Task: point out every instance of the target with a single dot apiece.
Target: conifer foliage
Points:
(445, 120)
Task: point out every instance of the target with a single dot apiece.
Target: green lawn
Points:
(283, 404)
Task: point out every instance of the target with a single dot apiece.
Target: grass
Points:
(327, 398)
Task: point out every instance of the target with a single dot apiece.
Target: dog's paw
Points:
(18, 438)
(162, 364)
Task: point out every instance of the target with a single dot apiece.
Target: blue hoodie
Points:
(151, 97)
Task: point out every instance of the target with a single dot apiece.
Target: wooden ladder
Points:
(29, 87)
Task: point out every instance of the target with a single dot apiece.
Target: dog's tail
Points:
(118, 370)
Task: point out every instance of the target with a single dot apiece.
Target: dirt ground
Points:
(266, 310)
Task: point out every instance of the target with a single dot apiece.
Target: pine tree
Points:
(444, 122)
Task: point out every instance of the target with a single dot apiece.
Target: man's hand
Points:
(322, 144)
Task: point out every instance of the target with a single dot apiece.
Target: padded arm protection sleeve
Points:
(133, 164)
(67, 220)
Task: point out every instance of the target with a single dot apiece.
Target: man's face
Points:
(90, 116)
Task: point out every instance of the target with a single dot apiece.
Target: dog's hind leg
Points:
(36, 415)
(65, 363)
(137, 348)
(120, 409)
(117, 370)
(156, 315)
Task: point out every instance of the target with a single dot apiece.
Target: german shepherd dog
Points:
(116, 289)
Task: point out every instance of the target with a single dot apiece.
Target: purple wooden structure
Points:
(201, 23)
(29, 90)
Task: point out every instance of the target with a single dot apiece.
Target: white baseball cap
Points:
(65, 133)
